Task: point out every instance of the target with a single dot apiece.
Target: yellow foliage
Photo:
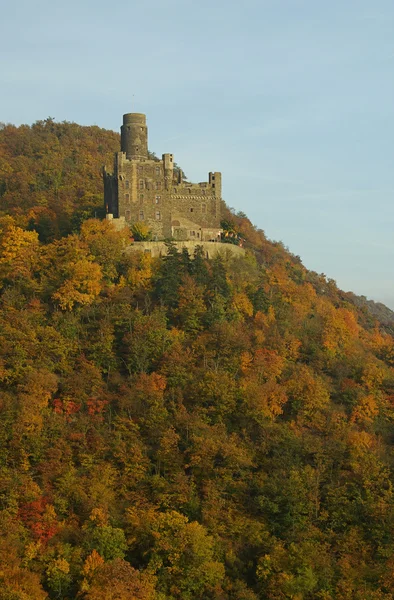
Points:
(361, 441)
(82, 287)
(61, 565)
(263, 400)
(95, 228)
(34, 396)
(373, 375)
(140, 231)
(92, 562)
(264, 364)
(32, 550)
(18, 250)
(263, 321)
(242, 304)
(308, 391)
(246, 362)
(340, 327)
(139, 275)
(366, 410)
(99, 517)
(292, 349)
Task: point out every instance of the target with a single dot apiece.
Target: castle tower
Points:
(134, 136)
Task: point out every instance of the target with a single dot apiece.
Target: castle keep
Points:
(152, 191)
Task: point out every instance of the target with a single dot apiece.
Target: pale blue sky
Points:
(292, 100)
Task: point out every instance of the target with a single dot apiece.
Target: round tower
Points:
(134, 136)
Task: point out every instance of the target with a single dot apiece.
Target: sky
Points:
(292, 100)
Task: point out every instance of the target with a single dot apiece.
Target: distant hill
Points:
(376, 309)
(180, 428)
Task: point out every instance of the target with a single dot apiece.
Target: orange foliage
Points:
(39, 516)
(366, 410)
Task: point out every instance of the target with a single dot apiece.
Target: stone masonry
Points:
(152, 191)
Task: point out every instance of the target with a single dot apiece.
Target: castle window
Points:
(141, 215)
(140, 169)
(127, 197)
(157, 199)
(213, 185)
(127, 215)
(141, 184)
(158, 185)
(158, 216)
(157, 170)
(203, 208)
(141, 198)
(203, 192)
(190, 190)
(192, 210)
(193, 233)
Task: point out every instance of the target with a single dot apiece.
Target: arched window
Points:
(142, 184)
(158, 216)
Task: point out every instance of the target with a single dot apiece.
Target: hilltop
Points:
(179, 428)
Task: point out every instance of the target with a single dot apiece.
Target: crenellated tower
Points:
(134, 136)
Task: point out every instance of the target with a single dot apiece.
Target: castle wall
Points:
(211, 249)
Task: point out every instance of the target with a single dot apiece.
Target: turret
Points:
(168, 161)
(134, 136)
(215, 180)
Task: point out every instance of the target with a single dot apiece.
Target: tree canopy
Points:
(179, 428)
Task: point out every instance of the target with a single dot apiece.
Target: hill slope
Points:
(183, 429)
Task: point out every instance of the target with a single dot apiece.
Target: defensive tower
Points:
(134, 136)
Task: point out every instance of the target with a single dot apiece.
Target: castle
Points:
(152, 191)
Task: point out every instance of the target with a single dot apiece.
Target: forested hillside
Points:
(177, 429)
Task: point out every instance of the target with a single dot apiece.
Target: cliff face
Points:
(186, 428)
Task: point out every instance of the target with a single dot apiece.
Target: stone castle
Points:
(145, 189)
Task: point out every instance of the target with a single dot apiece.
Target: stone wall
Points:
(211, 249)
